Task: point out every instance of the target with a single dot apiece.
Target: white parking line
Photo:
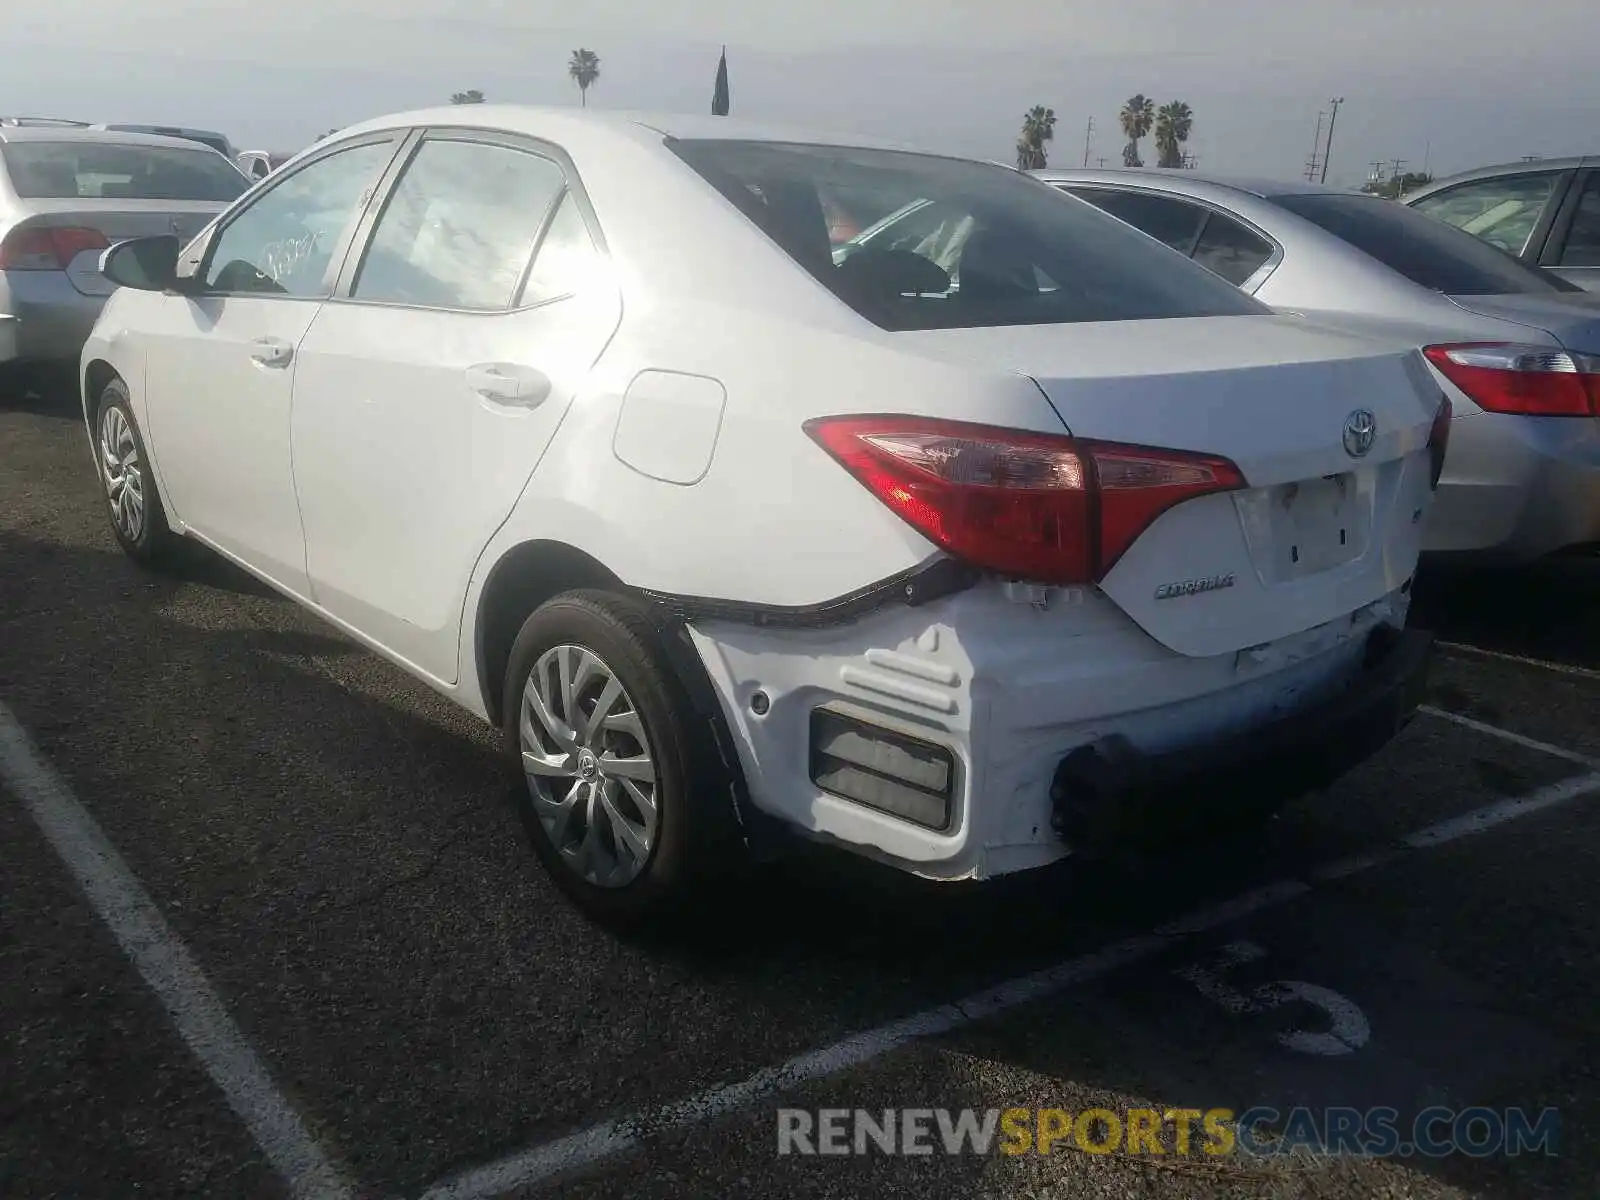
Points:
(167, 967)
(1516, 739)
(1502, 656)
(613, 1138)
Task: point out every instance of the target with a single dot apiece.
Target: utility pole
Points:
(1327, 149)
(1087, 134)
(1316, 143)
(1101, 160)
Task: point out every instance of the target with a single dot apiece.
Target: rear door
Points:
(1219, 242)
(429, 388)
(1165, 218)
(1511, 212)
(1573, 248)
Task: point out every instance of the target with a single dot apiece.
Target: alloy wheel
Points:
(588, 765)
(119, 458)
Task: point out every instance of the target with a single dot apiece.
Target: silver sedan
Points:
(68, 193)
(1517, 350)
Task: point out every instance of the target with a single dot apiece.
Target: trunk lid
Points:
(1572, 318)
(119, 220)
(1318, 533)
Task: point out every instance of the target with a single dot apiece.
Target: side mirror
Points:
(191, 257)
(149, 264)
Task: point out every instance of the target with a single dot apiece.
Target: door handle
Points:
(509, 383)
(271, 352)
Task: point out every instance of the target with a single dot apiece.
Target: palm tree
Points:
(1038, 127)
(470, 96)
(584, 67)
(1136, 117)
(1173, 123)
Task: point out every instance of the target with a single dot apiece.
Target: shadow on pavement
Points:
(1546, 611)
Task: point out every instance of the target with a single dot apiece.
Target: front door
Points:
(221, 363)
(430, 386)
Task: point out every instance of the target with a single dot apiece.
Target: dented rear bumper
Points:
(1107, 794)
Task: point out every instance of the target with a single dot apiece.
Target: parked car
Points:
(65, 196)
(258, 164)
(206, 137)
(1546, 212)
(1515, 348)
(590, 434)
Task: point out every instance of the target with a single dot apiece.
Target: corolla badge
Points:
(1193, 587)
(1360, 431)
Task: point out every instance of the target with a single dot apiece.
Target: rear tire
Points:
(138, 519)
(628, 806)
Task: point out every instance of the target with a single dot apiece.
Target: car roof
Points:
(177, 130)
(100, 137)
(563, 122)
(1190, 183)
(1523, 167)
(23, 121)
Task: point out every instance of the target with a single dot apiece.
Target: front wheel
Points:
(626, 801)
(138, 520)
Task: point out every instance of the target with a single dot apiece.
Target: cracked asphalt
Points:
(335, 845)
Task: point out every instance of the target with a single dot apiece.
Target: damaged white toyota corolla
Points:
(753, 480)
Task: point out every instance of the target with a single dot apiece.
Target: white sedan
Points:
(576, 418)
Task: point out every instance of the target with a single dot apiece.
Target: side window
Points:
(566, 258)
(1502, 211)
(459, 227)
(1229, 249)
(1583, 239)
(282, 245)
(1163, 218)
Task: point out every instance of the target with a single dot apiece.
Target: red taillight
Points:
(47, 247)
(1038, 506)
(1528, 380)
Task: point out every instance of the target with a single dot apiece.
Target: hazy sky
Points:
(1461, 83)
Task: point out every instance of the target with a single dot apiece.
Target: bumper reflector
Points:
(879, 769)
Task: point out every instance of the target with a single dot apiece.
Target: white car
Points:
(574, 417)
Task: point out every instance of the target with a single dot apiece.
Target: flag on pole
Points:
(719, 96)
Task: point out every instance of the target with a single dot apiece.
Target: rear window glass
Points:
(913, 241)
(107, 170)
(1425, 251)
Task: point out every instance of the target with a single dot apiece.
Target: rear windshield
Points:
(913, 241)
(1424, 250)
(108, 170)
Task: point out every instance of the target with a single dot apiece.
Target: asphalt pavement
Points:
(269, 926)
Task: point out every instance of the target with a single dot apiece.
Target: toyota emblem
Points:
(1360, 431)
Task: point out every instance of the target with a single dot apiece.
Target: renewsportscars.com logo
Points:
(1179, 1132)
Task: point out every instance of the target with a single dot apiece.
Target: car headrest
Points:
(876, 274)
(996, 264)
(793, 217)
